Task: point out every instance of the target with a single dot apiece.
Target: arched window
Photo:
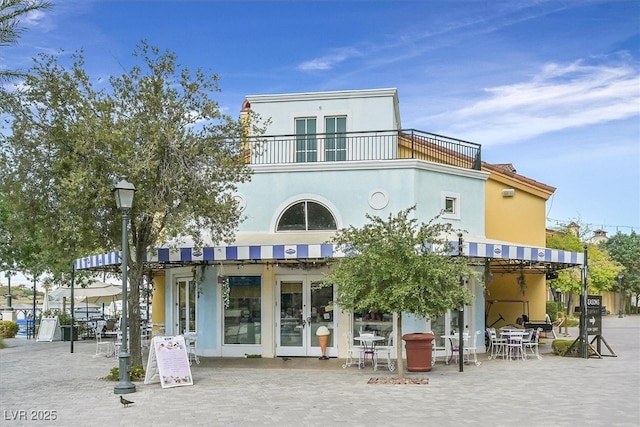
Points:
(306, 216)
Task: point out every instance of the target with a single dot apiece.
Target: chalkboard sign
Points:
(594, 315)
(49, 329)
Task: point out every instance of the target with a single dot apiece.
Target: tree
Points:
(155, 124)
(625, 249)
(11, 11)
(15, 251)
(19, 250)
(401, 266)
(602, 270)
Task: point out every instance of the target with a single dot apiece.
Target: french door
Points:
(302, 306)
(185, 306)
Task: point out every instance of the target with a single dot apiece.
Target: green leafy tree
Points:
(398, 265)
(625, 249)
(569, 280)
(15, 251)
(157, 125)
(20, 245)
(602, 270)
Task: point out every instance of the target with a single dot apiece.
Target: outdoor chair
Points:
(472, 349)
(515, 347)
(532, 343)
(354, 352)
(191, 340)
(455, 344)
(117, 344)
(435, 348)
(497, 345)
(382, 355)
(103, 348)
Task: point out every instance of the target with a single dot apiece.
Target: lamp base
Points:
(124, 388)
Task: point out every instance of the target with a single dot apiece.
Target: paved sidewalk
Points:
(37, 377)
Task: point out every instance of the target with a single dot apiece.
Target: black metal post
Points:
(460, 316)
(8, 276)
(621, 307)
(583, 308)
(124, 385)
(34, 311)
(73, 278)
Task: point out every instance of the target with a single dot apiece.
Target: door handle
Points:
(308, 320)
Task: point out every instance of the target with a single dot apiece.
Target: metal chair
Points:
(472, 349)
(532, 343)
(117, 344)
(514, 346)
(103, 348)
(382, 355)
(368, 349)
(455, 344)
(191, 340)
(497, 345)
(354, 352)
(435, 348)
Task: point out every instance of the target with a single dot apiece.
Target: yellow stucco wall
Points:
(504, 287)
(158, 302)
(520, 218)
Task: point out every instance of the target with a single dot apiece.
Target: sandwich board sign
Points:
(594, 315)
(168, 362)
(49, 329)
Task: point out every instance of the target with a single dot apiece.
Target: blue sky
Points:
(550, 86)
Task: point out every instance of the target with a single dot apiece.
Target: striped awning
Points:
(523, 253)
(187, 255)
(95, 262)
(242, 253)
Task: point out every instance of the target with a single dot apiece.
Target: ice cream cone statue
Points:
(323, 336)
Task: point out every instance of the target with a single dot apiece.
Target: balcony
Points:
(363, 146)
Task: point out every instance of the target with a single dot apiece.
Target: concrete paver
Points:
(37, 377)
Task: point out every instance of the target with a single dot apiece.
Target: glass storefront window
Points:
(242, 320)
(379, 323)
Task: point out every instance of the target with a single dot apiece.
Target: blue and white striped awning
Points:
(244, 253)
(186, 255)
(94, 262)
(523, 253)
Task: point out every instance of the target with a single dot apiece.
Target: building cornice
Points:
(332, 95)
(371, 165)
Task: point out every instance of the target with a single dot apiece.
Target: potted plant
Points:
(64, 320)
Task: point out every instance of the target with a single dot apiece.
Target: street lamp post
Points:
(124, 192)
(621, 294)
(8, 276)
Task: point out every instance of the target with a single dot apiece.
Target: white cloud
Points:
(559, 97)
(330, 60)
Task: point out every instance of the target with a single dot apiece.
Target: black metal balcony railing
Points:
(361, 146)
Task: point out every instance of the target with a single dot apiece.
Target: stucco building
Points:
(328, 159)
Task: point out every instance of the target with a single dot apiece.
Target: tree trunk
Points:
(135, 345)
(566, 319)
(399, 360)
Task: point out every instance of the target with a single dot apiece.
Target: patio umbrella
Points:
(96, 293)
(45, 301)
